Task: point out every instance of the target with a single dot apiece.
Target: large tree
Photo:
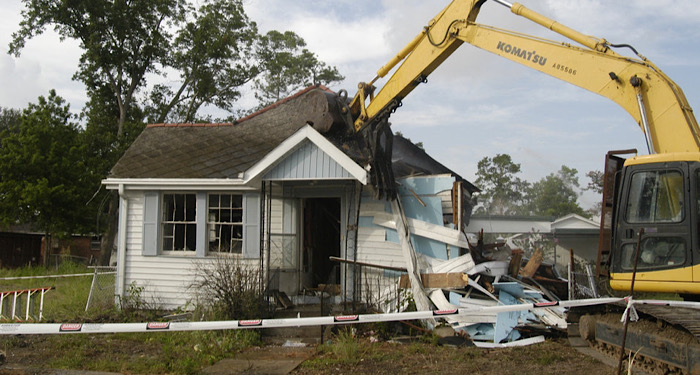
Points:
(9, 118)
(556, 195)
(122, 40)
(213, 54)
(104, 148)
(43, 176)
(286, 66)
(502, 191)
(595, 184)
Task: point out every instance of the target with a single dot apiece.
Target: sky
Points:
(474, 105)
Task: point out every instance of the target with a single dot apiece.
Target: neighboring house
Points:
(283, 190)
(569, 232)
(574, 232)
(20, 246)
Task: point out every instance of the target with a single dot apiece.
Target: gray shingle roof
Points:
(186, 151)
(221, 150)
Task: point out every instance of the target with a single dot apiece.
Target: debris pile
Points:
(475, 280)
(422, 235)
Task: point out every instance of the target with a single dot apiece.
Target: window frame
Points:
(152, 218)
(218, 224)
(640, 192)
(162, 223)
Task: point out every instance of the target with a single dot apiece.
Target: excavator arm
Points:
(637, 85)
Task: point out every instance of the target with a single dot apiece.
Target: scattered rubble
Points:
(474, 280)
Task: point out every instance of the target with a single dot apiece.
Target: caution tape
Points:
(61, 328)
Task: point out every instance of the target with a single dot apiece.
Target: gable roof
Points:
(307, 138)
(242, 151)
(223, 150)
(574, 222)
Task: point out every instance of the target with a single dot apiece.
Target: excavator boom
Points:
(656, 103)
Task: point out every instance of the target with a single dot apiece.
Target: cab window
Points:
(655, 197)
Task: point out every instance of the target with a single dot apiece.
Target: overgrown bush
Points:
(229, 289)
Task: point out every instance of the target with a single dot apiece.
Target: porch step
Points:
(282, 299)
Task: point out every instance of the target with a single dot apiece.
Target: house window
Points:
(225, 223)
(179, 222)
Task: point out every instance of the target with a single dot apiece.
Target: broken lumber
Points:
(515, 261)
(533, 264)
(367, 264)
(437, 280)
(419, 295)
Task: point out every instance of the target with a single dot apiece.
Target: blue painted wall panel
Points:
(426, 185)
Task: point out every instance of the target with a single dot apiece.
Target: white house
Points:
(570, 232)
(284, 189)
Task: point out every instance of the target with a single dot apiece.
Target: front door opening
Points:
(321, 241)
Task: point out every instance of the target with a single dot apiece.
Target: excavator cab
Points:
(659, 194)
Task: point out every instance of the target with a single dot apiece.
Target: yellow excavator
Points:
(651, 211)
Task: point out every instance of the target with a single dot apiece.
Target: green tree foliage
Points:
(213, 53)
(214, 50)
(121, 40)
(286, 66)
(502, 191)
(42, 167)
(9, 118)
(556, 195)
(595, 184)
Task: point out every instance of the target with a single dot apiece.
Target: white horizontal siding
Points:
(373, 248)
(446, 197)
(276, 212)
(165, 279)
(134, 233)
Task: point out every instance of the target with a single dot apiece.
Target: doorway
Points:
(321, 240)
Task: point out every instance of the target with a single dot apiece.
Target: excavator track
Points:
(684, 317)
(665, 340)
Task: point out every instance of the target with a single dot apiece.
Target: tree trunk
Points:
(107, 243)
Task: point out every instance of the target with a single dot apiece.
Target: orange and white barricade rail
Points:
(20, 304)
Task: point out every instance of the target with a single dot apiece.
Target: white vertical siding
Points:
(307, 162)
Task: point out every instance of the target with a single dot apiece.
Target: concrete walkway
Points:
(269, 360)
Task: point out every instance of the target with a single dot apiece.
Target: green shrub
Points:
(230, 290)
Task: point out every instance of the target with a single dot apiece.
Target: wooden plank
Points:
(438, 280)
(533, 264)
(419, 295)
(424, 229)
(514, 265)
(360, 263)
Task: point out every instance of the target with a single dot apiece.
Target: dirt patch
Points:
(269, 360)
(549, 357)
(554, 356)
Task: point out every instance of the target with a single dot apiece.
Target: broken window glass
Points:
(225, 223)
